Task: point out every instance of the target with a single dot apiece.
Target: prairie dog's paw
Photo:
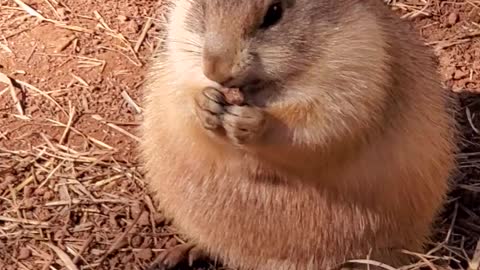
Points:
(243, 124)
(209, 106)
(174, 256)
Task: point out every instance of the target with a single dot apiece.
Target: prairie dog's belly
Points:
(231, 214)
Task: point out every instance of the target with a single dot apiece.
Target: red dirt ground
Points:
(78, 201)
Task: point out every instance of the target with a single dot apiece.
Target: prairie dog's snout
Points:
(216, 68)
(218, 58)
(227, 45)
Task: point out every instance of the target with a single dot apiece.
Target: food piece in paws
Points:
(233, 96)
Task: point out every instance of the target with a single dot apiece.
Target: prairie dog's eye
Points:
(273, 15)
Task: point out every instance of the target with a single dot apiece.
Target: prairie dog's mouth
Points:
(250, 85)
(254, 87)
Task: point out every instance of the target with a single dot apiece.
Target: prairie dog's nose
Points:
(216, 68)
(218, 53)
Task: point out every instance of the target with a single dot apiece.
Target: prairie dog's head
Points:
(240, 42)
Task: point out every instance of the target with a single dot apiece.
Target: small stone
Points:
(42, 214)
(97, 252)
(129, 266)
(62, 12)
(24, 253)
(145, 254)
(459, 74)
(137, 241)
(114, 262)
(49, 195)
(40, 191)
(112, 218)
(144, 219)
(452, 19)
(133, 26)
(474, 17)
(27, 204)
(9, 178)
(41, 178)
(147, 242)
(28, 191)
(59, 235)
(171, 243)
(127, 258)
(122, 18)
(135, 210)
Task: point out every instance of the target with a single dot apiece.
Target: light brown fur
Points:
(355, 155)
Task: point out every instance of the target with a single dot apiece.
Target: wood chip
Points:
(63, 256)
(24, 253)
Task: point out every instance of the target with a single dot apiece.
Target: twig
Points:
(117, 128)
(5, 79)
(145, 29)
(131, 102)
(23, 221)
(118, 241)
(69, 123)
(63, 256)
(83, 249)
(29, 86)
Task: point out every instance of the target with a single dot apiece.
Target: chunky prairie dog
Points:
(342, 150)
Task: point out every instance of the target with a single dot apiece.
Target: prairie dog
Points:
(343, 149)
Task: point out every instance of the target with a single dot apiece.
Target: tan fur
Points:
(355, 158)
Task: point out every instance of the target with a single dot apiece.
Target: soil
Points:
(71, 190)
